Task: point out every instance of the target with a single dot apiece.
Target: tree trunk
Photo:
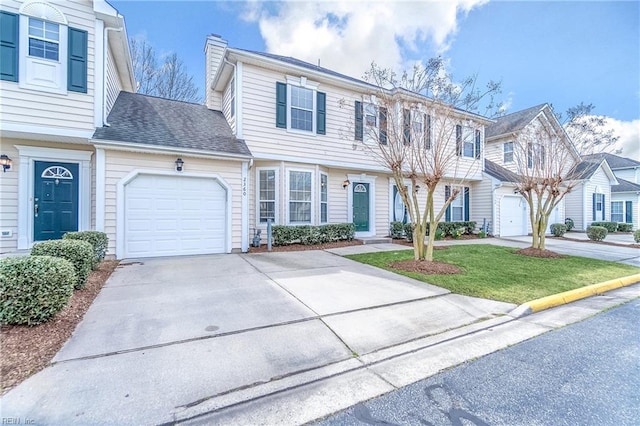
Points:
(419, 251)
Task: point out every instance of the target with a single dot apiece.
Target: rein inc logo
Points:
(17, 421)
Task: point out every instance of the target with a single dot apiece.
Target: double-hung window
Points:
(370, 118)
(267, 188)
(536, 155)
(468, 141)
(457, 209)
(301, 109)
(507, 152)
(323, 198)
(300, 196)
(44, 39)
(617, 211)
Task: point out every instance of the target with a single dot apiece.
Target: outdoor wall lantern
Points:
(6, 162)
(345, 183)
(179, 164)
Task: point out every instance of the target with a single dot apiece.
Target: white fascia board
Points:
(24, 131)
(322, 162)
(155, 149)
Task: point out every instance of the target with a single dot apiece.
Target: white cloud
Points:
(348, 36)
(629, 133)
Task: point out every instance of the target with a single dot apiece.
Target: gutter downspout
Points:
(494, 207)
(105, 50)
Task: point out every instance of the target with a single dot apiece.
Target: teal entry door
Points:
(361, 206)
(55, 200)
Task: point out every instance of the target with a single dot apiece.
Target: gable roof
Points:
(625, 186)
(587, 168)
(513, 122)
(496, 171)
(148, 120)
(615, 161)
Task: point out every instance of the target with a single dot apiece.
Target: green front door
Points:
(55, 200)
(361, 206)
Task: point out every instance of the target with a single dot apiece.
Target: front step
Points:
(375, 240)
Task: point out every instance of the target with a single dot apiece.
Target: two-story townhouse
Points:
(505, 159)
(625, 196)
(62, 66)
(306, 127)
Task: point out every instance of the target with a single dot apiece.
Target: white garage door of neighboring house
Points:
(512, 216)
(174, 215)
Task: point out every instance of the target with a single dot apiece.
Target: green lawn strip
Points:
(497, 273)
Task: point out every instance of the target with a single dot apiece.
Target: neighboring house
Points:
(589, 200)
(500, 200)
(62, 66)
(625, 196)
(305, 126)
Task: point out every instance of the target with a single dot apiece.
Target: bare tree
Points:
(589, 132)
(545, 161)
(169, 80)
(422, 139)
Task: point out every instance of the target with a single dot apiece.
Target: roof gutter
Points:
(155, 149)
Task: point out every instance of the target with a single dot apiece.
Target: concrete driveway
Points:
(168, 336)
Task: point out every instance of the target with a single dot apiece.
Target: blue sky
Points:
(557, 52)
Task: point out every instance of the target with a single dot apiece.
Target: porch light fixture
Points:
(179, 164)
(345, 183)
(5, 161)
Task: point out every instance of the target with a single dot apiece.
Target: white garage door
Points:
(512, 216)
(174, 215)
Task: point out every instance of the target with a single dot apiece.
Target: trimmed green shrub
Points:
(596, 233)
(452, 228)
(558, 229)
(308, 235)
(34, 288)
(624, 227)
(636, 236)
(396, 229)
(439, 234)
(482, 234)
(570, 224)
(610, 226)
(98, 240)
(79, 253)
(408, 231)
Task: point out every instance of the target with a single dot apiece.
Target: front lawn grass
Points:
(497, 273)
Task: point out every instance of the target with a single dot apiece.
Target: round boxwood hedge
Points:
(97, 239)
(79, 253)
(34, 288)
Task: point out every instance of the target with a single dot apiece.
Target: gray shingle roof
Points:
(584, 169)
(615, 161)
(625, 186)
(499, 172)
(513, 122)
(297, 62)
(148, 120)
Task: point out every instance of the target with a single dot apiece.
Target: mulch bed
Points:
(427, 268)
(534, 252)
(300, 247)
(27, 350)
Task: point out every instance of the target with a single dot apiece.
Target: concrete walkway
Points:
(167, 338)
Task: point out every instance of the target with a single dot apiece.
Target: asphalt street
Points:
(587, 373)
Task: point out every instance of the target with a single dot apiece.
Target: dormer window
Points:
(44, 39)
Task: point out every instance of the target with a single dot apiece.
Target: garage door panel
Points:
(512, 216)
(174, 215)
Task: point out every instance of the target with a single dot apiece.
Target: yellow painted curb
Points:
(572, 295)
